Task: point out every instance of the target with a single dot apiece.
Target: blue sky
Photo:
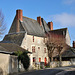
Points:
(61, 12)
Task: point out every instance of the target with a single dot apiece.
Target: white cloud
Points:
(64, 19)
(68, 2)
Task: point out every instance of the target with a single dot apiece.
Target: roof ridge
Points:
(59, 29)
(29, 18)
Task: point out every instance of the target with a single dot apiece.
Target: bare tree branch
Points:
(55, 44)
(2, 24)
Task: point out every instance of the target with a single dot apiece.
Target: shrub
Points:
(24, 58)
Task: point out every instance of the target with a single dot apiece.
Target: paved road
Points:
(70, 73)
(55, 71)
(43, 72)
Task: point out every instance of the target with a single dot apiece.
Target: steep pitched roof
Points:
(45, 26)
(32, 27)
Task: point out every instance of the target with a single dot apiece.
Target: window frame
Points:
(33, 49)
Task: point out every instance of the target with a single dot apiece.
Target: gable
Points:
(13, 26)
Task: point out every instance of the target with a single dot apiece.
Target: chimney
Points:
(39, 20)
(19, 16)
(50, 25)
(73, 44)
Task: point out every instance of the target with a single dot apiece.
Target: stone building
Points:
(31, 35)
(8, 60)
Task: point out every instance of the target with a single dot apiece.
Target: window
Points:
(39, 59)
(38, 48)
(33, 48)
(44, 50)
(44, 40)
(33, 38)
(33, 59)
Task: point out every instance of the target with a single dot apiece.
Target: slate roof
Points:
(14, 38)
(67, 52)
(61, 31)
(45, 26)
(2, 49)
(10, 47)
(29, 26)
(32, 27)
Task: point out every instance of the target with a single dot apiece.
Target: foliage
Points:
(19, 53)
(24, 58)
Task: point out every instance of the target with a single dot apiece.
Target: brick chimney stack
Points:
(39, 20)
(73, 44)
(19, 16)
(50, 25)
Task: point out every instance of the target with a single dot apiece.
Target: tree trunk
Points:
(60, 60)
(49, 61)
(51, 58)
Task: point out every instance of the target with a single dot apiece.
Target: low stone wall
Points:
(63, 63)
(8, 64)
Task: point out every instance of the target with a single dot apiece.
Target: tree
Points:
(24, 58)
(2, 24)
(55, 44)
(50, 48)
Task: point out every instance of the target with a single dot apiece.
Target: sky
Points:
(60, 12)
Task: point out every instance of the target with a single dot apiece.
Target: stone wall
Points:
(68, 38)
(27, 43)
(8, 64)
(63, 63)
